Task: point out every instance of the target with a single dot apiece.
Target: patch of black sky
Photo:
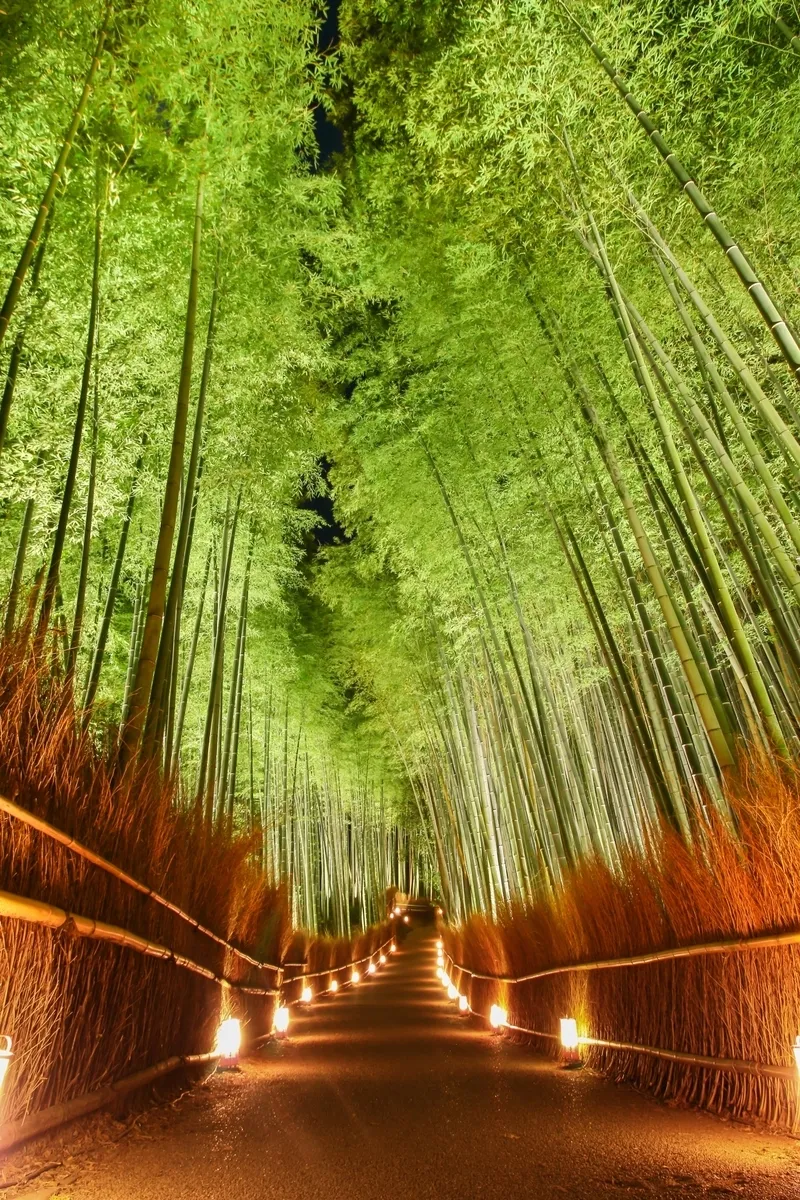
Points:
(329, 137)
(327, 531)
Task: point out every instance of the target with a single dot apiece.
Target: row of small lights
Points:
(498, 1017)
(229, 1034)
(280, 1021)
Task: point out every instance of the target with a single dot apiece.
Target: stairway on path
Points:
(385, 1092)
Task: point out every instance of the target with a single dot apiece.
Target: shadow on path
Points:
(385, 1093)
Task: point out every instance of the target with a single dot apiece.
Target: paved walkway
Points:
(384, 1093)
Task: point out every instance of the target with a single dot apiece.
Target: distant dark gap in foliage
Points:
(327, 531)
(329, 137)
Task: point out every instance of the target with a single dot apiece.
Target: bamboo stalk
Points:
(29, 249)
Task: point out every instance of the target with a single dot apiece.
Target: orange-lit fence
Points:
(55, 919)
(619, 1056)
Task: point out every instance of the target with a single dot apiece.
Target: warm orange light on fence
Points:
(306, 996)
(569, 1033)
(334, 985)
(392, 948)
(463, 1003)
(498, 1017)
(382, 959)
(452, 992)
(355, 977)
(371, 969)
(5, 1056)
(796, 1049)
(229, 1040)
(280, 1022)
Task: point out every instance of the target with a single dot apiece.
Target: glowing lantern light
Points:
(355, 977)
(498, 1017)
(439, 972)
(382, 959)
(439, 943)
(796, 1049)
(569, 1033)
(463, 1004)
(306, 995)
(334, 985)
(452, 992)
(280, 1022)
(405, 918)
(229, 1041)
(392, 948)
(397, 912)
(438, 912)
(445, 979)
(5, 1056)
(371, 969)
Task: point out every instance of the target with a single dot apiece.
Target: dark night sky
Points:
(328, 136)
(328, 531)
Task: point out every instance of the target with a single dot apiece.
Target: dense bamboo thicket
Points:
(426, 511)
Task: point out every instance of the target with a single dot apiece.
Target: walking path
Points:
(385, 1093)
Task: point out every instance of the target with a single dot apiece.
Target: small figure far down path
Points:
(384, 1092)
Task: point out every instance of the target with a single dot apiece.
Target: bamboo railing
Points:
(740, 1066)
(14, 1132)
(335, 970)
(790, 937)
(42, 826)
(53, 917)
(37, 912)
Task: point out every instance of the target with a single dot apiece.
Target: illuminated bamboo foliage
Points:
(429, 514)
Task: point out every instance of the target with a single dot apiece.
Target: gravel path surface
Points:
(384, 1093)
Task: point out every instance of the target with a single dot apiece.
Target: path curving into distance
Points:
(385, 1093)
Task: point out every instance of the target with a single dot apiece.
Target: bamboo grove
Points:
(528, 338)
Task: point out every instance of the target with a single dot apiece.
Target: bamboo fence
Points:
(741, 1066)
(55, 918)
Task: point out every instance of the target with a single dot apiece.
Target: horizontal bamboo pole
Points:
(14, 1132)
(37, 912)
(344, 966)
(762, 941)
(29, 818)
(740, 1065)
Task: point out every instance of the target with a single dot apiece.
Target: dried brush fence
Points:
(103, 974)
(321, 960)
(153, 930)
(706, 1009)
